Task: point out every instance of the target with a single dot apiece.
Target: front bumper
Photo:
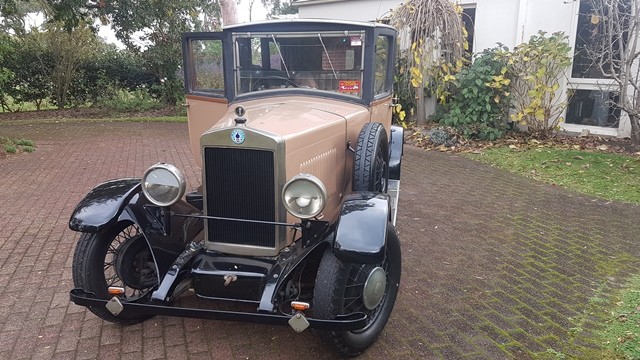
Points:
(349, 322)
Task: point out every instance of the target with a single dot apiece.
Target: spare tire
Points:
(371, 161)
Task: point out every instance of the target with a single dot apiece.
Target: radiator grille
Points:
(240, 185)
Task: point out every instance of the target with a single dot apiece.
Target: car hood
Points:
(299, 123)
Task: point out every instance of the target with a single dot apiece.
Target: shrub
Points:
(536, 68)
(481, 97)
(404, 93)
(130, 101)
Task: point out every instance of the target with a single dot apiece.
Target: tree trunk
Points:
(229, 12)
(421, 116)
(635, 131)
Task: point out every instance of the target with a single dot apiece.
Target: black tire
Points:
(371, 161)
(338, 291)
(97, 259)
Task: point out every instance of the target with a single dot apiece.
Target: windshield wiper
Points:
(328, 57)
(281, 57)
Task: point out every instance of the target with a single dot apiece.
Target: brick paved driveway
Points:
(495, 266)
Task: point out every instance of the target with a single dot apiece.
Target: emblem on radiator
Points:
(229, 278)
(237, 136)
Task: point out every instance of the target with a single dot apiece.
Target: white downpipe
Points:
(522, 21)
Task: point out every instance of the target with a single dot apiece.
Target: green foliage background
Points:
(64, 62)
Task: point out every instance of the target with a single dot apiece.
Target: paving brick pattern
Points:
(494, 265)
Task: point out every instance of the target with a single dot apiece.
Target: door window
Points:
(207, 72)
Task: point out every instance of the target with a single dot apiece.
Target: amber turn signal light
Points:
(116, 290)
(299, 305)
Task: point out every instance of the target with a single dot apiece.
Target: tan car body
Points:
(317, 133)
(290, 122)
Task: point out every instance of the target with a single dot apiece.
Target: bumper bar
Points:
(354, 321)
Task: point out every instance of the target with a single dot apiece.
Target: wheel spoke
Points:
(354, 285)
(139, 265)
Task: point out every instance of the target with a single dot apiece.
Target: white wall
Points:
(509, 22)
(356, 10)
(496, 22)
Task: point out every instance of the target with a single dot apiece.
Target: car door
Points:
(204, 70)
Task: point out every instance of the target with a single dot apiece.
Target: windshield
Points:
(326, 61)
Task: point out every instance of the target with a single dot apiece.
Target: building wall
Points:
(357, 10)
(509, 22)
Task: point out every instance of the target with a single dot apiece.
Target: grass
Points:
(621, 334)
(604, 175)
(27, 106)
(169, 119)
(13, 146)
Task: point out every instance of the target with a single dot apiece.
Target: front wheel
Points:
(342, 288)
(115, 257)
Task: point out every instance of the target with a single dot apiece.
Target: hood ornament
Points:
(240, 111)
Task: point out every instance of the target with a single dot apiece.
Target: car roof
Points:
(295, 23)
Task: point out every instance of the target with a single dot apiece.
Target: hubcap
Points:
(134, 264)
(374, 287)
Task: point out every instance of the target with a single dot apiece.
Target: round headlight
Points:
(304, 196)
(163, 184)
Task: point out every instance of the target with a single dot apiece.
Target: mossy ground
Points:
(604, 175)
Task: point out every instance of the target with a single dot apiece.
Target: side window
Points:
(207, 73)
(256, 54)
(381, 66)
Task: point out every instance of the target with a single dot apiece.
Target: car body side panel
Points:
(381, 113)
(203, 113)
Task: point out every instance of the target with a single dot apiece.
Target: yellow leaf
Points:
(465, 45)
(540, 114)
(497, 99)
(595, 19)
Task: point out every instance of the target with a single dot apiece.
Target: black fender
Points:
(102, 205)
(396, 149)
(360, 235)
(122, 200)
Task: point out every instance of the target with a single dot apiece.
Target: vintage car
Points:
(290, 122)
